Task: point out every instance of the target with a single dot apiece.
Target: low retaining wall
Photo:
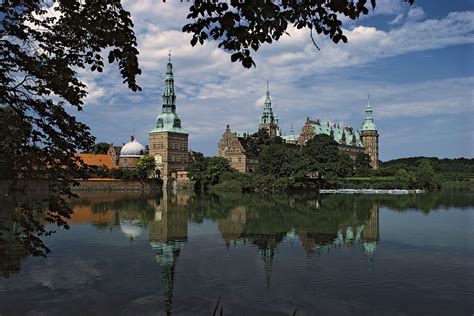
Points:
(118, 185)
(87, 185)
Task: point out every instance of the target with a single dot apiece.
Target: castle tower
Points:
(370, 137)
(168, 140)
(268, 121)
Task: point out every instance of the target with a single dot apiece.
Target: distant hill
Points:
(446, 165)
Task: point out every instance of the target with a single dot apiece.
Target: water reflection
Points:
(168, 233)
(153, 230)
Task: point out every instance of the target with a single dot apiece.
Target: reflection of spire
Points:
(370, 235)
(267, 244)
(371, 230)
(166, 255)
(267, 257)
(168, 234)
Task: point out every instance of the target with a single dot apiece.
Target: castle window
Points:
(177, 123)
(159, 123)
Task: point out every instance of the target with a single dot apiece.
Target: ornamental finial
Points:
(169, 55)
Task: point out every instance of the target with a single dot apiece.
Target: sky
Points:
(416, 62)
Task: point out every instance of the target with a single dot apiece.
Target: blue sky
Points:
(416, 62)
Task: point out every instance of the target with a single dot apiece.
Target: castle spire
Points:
(268, 101)
(169, 95)
(368, 124)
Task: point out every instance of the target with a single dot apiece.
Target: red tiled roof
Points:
(98, 160)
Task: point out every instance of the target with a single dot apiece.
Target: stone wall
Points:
(118, 185)
(173, 149)
(371, 144)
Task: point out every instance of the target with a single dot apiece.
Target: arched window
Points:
(159, 123)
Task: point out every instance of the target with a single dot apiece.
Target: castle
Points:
(232, 145)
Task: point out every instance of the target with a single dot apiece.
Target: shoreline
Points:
(371, 191)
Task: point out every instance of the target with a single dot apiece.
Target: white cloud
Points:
(397, 19)
(415, 14)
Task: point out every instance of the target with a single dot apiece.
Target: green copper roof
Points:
(290, 137)
(241, 133)
(368, 124)
(340, 134)
(168, 120)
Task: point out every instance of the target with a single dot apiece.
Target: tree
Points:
(278, 160)
(197, 168)
(99, 148)
(11, 142)
(146, 167)
(42, 45)
(426, 176)
(406, 178)
(207, 171)
(216, 167)
(362, 165)
(322, 155)
(242, 26)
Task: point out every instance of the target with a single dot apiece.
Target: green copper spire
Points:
(267, 116)
(268, 101)
(368, 124)
(168, 120)
(169, 96)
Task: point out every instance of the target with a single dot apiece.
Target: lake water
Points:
(155, 254)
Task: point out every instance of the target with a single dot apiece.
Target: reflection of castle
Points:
(232, 227)
(368, 233)
(245, 226)
(168, 233)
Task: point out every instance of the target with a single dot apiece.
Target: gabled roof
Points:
(101, 160)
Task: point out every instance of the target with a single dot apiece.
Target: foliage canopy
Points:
(242, 26)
